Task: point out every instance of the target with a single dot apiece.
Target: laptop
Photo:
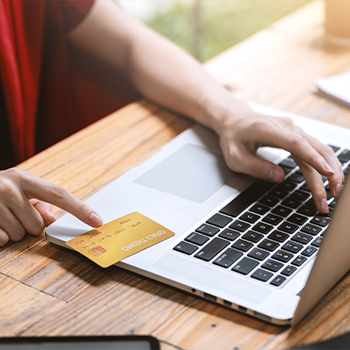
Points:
(247, 244)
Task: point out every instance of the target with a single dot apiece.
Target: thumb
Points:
(261, 168)
(45, 211)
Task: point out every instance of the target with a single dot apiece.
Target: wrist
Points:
(220, 113)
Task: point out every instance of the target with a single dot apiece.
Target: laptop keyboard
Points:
(268, 231)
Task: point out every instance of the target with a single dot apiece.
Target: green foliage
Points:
(223, 23)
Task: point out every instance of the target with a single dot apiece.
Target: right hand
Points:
(241, 136)
(25, 205)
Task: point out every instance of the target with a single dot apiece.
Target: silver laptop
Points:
(249, 245)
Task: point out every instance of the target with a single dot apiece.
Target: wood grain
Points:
(49, 290)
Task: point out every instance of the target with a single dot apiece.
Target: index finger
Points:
(296, 142)
(35, 187)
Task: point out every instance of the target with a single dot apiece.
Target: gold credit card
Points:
(119, 239)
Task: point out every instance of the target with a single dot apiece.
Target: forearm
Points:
(159, 69)
(166, 74)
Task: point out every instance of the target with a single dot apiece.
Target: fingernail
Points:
(324, 205)
(328, 167)
(338, 189)
(95, 219)
(275, 175)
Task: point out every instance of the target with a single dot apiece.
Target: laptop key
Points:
(302, 238)
(262, 228)
(262, 275)
(301, 195)
(278, 236)
(258, 254)
(309, 251)
(322, 221)
(268, 200)
(344, 156)
(287, 227)
(305, 187)
(317, 242)
(335, 148)
(268, 245)
(272, 265)
(185, 248)
(297, 219)
(280, 194)
(291, 203)
(253, 236)
(282, 211)
(272, 219)
(288, 162)
(242, 245)
(211, 249)
(249, 217)
(330, 212)
(299, 260)
(278, 280)
(285, 170)
(239, 226)
(196, 238)
(329, 194)
(245, 266)
(311, 229)
(289, 270)
(219, 220)
(247, 197)
(287, 185)
(296, 178)
(229, 234)
(333, 203)
(311, 203)
(208, 230)
(282, 255)
(306, 210)
(259, 209)
(292, 247)
(227, 258)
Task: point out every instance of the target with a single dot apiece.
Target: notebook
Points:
(247, 244)
(335, 87)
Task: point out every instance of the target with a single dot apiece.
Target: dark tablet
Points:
(81, 343)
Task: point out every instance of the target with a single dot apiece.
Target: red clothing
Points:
(51, 89)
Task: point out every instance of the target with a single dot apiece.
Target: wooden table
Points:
(48, 290)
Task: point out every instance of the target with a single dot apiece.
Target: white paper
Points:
(337, 86)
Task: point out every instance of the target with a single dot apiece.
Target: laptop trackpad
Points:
(208, 276)
(193, 173)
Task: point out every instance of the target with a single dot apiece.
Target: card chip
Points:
(96, 251)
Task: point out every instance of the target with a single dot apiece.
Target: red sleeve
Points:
(74, 11)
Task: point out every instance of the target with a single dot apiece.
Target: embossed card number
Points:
(119, 239)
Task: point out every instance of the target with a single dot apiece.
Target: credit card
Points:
(119, 239)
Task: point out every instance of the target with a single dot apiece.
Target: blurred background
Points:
(207, 27)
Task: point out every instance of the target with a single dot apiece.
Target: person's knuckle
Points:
(59, 192)
(37, 229)
(8, 189)
(297, 141)
(261, 126)
(4, 238)
(328, 151)
(17, 235)
(288, 121)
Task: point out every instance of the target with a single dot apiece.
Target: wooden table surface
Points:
(48, 290)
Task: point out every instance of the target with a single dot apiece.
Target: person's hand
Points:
(24, 205)
(240, 138)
